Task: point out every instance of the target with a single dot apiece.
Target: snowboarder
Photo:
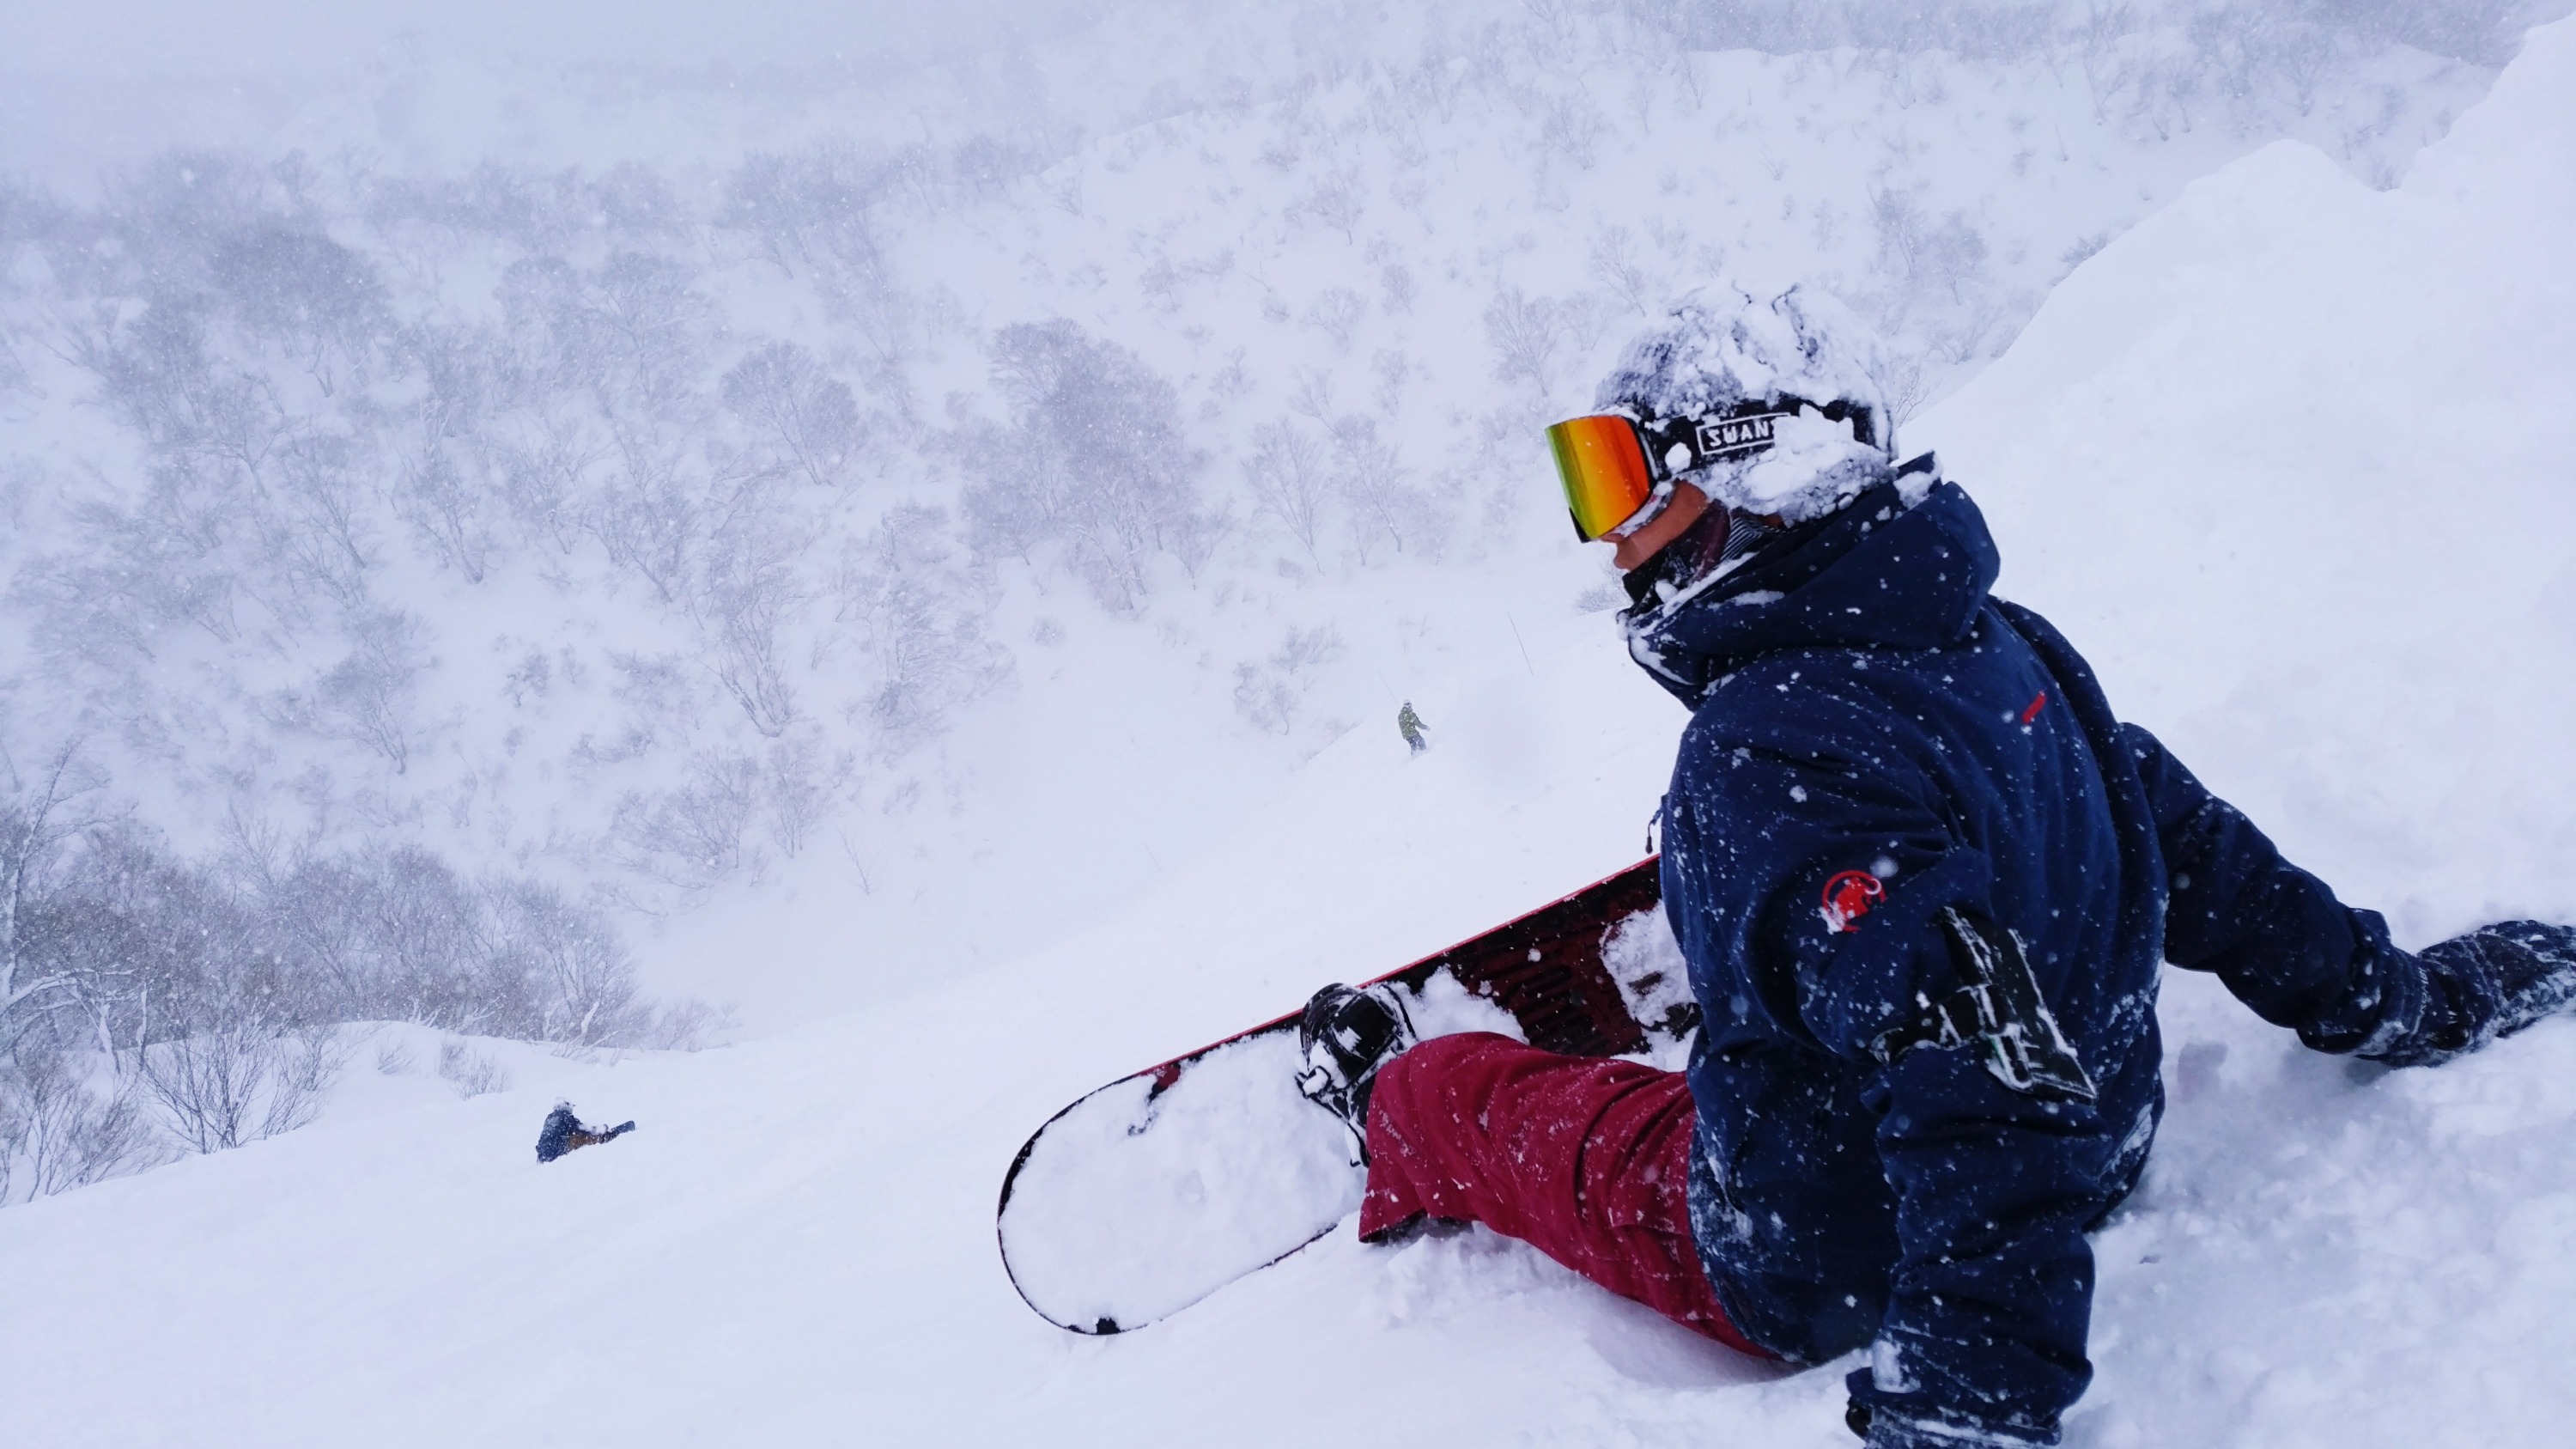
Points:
(1924, 879)
(564, 1131)
(1410, 725)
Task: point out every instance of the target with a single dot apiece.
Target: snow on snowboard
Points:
(1158, 1189)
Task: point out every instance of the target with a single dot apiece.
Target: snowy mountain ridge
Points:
(668, 531)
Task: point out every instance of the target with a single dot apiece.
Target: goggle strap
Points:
(1708, 438)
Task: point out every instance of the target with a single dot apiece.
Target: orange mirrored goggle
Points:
(1610, 462)
(1602, 460)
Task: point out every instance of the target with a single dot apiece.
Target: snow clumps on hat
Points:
(1722, 351)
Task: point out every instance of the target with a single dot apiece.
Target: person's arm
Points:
(1991, 1298)
(1985, 1324)
(2276, 935)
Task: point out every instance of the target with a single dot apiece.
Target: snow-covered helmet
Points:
(1769, 405)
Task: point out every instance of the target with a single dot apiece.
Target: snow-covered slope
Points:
(2290, 461)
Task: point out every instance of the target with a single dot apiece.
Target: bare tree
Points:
(543, 457)
(426, 936)
(1906, 385)
(159, 376)
(639, 320)
(1526, 333)
(692, 837)
(309, 1060)
(365, 699)
(1368, 471)
(800, 789)
(922, 621)
(807, 210)
(1573, 125)
(1336, 312)
(1337, 202)
(806, 417)
(1370, 478)
(444, 498)
(19, 477)
(750, 592)
(1395, 282)
(1094, 460)
(35, 820)
(293, 286)
(588, 993)
(814, 212)
(1288, 478)
(1617, 266)
(1270, 693)
(649, 518)
(323, 537)
(134, 571)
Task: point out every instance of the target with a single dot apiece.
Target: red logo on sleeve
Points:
(1848, 897)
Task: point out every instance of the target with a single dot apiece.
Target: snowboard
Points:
(1147, 1195)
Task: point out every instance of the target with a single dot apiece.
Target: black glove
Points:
(2487, 983)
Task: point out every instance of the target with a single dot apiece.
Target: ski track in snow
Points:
(2289, 462)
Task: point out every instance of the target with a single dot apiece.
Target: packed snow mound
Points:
(2282, 462)
(2290, 462)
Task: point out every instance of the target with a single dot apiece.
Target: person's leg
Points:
(1585, 1159)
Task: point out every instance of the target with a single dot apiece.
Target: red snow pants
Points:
(1585, 1159)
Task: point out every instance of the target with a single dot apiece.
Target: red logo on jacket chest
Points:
(1848, 897)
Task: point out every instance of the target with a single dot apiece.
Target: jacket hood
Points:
(1882, 572)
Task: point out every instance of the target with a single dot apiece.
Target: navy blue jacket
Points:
(1875, 739)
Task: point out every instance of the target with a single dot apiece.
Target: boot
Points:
(1346, 1034)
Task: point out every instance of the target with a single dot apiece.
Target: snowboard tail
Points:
(1156, 1190)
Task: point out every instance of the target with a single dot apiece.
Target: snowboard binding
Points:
(1345, 1036)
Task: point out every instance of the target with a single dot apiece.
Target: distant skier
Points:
(1923, 878)
(564, 1131)
(1410, 725)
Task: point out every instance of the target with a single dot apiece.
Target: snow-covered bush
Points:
(237, 1077)
(1271, 693)
(58, 1133)
(207, 996)
(474, 1073)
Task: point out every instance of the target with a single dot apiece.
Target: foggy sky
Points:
(124, 39)
(88, 87)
